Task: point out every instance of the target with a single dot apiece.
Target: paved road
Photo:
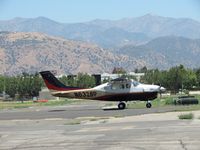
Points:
(146, 132)
(51, 128)
(74, 111)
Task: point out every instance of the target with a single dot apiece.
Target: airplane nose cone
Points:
(162, 89)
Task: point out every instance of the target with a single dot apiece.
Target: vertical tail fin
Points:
(53, 83)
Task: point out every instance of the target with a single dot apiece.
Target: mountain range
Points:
(33, 52)
(109, 33)
(29, 45)
(165, 52)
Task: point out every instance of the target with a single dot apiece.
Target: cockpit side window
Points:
(128, 86)
(115, 86)
(135, 83)
(107, 87)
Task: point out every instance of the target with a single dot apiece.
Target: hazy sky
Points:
(85, 10)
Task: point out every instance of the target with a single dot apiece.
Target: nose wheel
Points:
(148, 104)
(122, 105)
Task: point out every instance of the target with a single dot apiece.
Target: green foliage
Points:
(169, 101)
(119, 70)
(197, 72)
(24, 86)
(173, 79)
(85, 80)
(26, 104)
(73, 122)
(81, 80)
(142, 70)
(1, 84)
(106, 80)
(11, 86)
(57, 102)
(186, 116)
(65, 80)
(29, 85)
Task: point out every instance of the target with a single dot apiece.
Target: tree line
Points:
(26, 86)
(174, 79)
(21, 86)
(82, 80)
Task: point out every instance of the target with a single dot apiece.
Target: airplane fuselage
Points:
(106, 92)
(119, 89)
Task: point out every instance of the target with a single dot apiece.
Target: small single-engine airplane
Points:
(120, 89)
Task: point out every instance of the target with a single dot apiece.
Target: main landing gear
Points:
(122, 105)
(148, 104)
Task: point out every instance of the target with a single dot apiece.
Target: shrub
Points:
(169, 101)
(186, 116)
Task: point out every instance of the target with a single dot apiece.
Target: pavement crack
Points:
(182, 144)
(140, 148)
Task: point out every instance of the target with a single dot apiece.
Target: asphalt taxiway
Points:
(87, 109)
(93, 128)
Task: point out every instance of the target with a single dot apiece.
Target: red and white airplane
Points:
(120, 89)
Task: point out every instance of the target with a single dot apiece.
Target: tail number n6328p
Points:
(85, 94)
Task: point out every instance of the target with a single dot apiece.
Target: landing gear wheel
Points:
(148, 105)
(121, 105)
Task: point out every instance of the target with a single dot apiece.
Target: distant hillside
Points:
(165, 52)
(31, 52)
(154, 26)
(107, 33)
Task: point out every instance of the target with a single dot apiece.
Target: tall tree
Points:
(197, 72)
(85, 80)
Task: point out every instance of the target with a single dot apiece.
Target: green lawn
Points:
(159, 102)
(26, 104)
(165, 101)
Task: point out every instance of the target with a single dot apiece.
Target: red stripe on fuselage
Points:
(52, 87)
